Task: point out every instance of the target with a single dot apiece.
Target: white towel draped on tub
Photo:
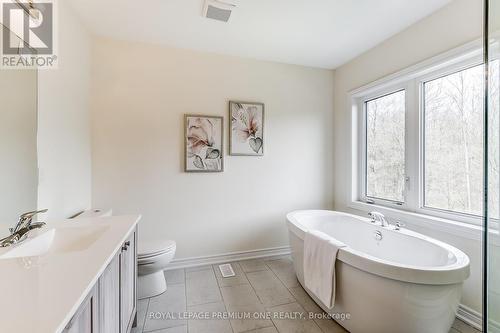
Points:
(320, 254)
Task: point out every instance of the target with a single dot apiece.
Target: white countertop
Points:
(41, 293)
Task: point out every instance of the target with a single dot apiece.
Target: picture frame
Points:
(246, 128)
(203, 143)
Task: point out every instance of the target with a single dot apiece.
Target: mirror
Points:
(18, 144)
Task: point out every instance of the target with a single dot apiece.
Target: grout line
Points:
(295, 298)
(213, 302)
(222, 297)
(217, 286)
(217, 282)
(165, 328)
(145, 316)
(227, 311)
(294, 301)
(282, 282)
(255, 292)
(260, 328)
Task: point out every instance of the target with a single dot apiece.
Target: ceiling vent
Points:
(218, 10)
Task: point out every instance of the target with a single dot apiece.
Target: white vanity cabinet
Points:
(111, 305)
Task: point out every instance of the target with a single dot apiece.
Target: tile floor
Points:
(260, 285)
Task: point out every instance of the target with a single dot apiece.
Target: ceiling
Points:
(316, 33)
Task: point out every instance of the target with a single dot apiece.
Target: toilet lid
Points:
(153, 248)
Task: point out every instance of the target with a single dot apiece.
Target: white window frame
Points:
(362, 151)
(412, 81)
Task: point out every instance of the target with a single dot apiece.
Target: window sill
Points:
(460, 229)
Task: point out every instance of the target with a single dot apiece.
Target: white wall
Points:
(63, 125)
(452, 26)
(140, 93)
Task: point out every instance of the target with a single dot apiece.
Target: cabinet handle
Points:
(125, 246)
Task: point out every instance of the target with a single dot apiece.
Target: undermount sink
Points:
(57, 240)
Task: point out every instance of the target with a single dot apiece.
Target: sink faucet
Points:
(23, 226)
(379, 217)
(25, 220)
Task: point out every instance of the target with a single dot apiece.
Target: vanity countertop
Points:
(41, 293)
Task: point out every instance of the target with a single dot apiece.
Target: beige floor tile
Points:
(269, 288)
(255, 320)
(329, 326)
(239, 278)
(305, 300)
(239, 295)
(201, 287)
(162, 308)
(175, 276)
(177, 329)
(209, 325)
(253, 265)
(242, 299)
(283, 268)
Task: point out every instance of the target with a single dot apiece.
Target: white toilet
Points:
(152, 258)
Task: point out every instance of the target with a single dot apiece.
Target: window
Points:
(385, 147)
(420, 139)
(453, 142)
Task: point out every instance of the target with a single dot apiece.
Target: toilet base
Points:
(151, 285)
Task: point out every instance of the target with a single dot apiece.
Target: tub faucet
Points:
(379, 217)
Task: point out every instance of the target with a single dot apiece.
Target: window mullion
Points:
(412, 131)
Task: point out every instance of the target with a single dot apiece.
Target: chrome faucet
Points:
(379, 217)
(23, 226)
(26, 220)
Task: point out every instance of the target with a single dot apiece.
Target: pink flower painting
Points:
(247, 132)
(204, 144)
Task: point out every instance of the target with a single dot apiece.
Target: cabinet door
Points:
(109, 298)
(85, 319)
(128, 277)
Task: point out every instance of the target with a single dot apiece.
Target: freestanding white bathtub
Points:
(403, 283)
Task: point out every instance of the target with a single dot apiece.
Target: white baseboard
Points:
(228, 257)
(470, 316)
(475, 319)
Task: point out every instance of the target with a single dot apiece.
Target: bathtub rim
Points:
(452, 273)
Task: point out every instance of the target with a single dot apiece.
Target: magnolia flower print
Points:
(200, 134)
(247, 126)
(201, 144)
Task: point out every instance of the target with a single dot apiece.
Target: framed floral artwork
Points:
(204, 143)
(247, 129)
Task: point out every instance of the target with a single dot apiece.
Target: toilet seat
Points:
(153, 249)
